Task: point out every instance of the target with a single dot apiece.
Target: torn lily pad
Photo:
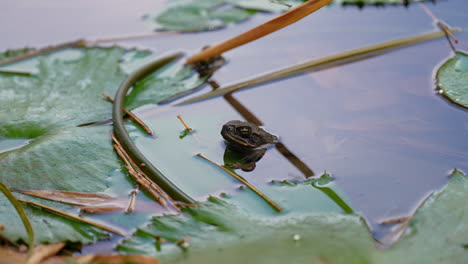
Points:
(452, 79)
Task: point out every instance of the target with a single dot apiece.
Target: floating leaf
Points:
(439, 230)
(190, 15)
(175, 78)
(452, 79)
(228, 231)
(232, 230)
(44, 110)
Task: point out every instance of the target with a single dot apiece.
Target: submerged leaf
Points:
(452, 79)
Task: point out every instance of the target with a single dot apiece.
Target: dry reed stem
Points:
(137, 176)
(442, 26)
(132, 116)
(56, 211)
(185, 124)
(245, 182)
(131, 202)
(271, 26)
(141, 177)
(395, 220)
(187, 205)
(49, 49)
(141, 180)
(131, 37)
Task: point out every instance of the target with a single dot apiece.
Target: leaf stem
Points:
(22, 73)
(22, 214)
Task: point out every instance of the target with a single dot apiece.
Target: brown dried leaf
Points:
(75, 198)
(43, 252)
(9, 256)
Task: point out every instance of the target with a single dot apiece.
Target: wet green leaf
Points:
(439, 230)
(189, 15)
(54, 154)
(238, 227)
(173, 79)
(452, 79)
(231, 231)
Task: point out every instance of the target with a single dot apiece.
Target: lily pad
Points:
(438, 232)
(236, 224)
(223, 230)
(189, 15)
(45, 110)
(175, 78)
(452, 79)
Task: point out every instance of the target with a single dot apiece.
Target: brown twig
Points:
(131, 202)
(56, 211)
(446, 29)
(271, 26)
(45, 50)
(132, 116)
(396, 220)
(141, 178)
(245, 182)
(138, 177)
(131, 37)
(187, 205)
(185, 124)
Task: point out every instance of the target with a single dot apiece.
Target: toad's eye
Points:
(244, 131)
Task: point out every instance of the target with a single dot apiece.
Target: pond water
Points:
(378, 126)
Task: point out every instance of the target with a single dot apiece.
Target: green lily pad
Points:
(232, 231)
(452, 79)
(223, 228)
(438, 232)
(189, 15)
(48, 227)
(44, 148)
